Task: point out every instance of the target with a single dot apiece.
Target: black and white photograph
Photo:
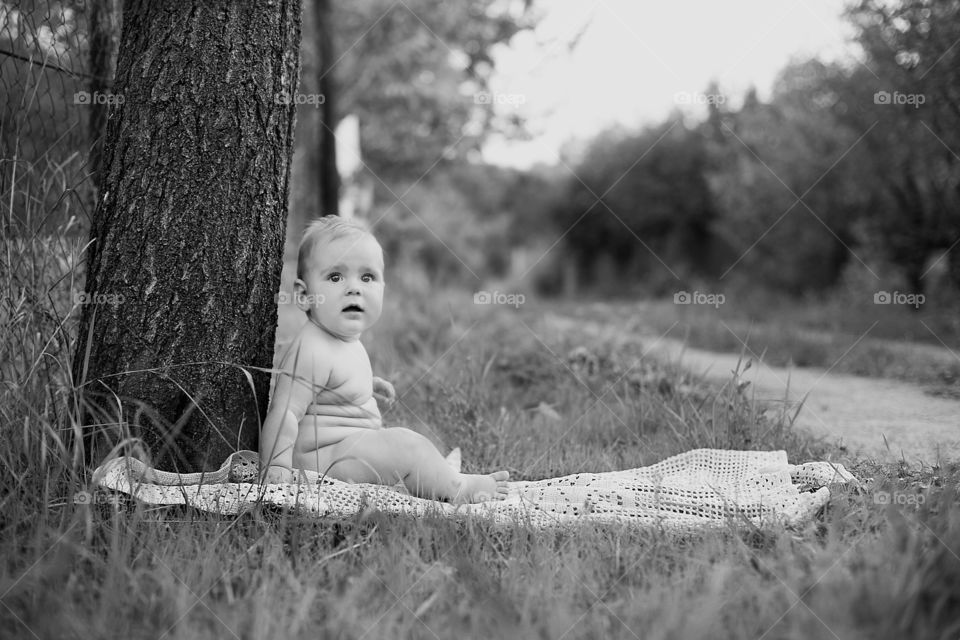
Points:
(493, 319)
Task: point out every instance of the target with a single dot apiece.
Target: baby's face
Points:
(342, 291)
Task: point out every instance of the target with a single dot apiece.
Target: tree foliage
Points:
(642, 202)
(912, 153)
(416, 72)
(785, 211)
(846, 164)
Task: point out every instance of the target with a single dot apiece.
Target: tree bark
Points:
(187, 238)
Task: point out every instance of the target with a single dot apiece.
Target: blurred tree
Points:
(843, 163)
(329, 177)
(417, 75)
(909, 86)
(436, 232)
(463, 222)
(638, 210)
(531, 197)
(786, 209)
(185, 245)
(104, 28)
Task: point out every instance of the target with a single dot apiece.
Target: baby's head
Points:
(340, 276)
(323, 231)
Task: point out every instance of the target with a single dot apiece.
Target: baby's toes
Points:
(500, 477)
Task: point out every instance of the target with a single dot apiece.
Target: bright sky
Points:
(639, 59)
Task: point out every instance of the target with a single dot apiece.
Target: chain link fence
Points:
(51, 110)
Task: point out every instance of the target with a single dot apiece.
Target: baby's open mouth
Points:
(353, 307)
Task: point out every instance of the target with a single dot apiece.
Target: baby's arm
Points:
(383, 391)
(300, 374)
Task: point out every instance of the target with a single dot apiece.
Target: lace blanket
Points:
(699, 489)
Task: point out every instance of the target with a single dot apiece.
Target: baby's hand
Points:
(278, 475)
(384, 392)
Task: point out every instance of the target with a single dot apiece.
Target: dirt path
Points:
(849, 410)
(856, 412)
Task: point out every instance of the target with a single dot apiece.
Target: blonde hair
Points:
(324, 230)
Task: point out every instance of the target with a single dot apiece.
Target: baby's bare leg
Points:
(386, 456)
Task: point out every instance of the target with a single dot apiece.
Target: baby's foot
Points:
(480, 488)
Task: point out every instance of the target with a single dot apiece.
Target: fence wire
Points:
(49, 115)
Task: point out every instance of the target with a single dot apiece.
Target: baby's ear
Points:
(300, 294)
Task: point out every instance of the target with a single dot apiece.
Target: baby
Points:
(323, 416)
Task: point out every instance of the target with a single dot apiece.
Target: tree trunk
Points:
(104, 34)
(953, 265)
(329, 176)
(187, 239)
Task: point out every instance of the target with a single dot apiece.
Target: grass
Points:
(512, 393)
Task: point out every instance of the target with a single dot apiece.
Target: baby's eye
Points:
(368, 277)
(334, 277)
